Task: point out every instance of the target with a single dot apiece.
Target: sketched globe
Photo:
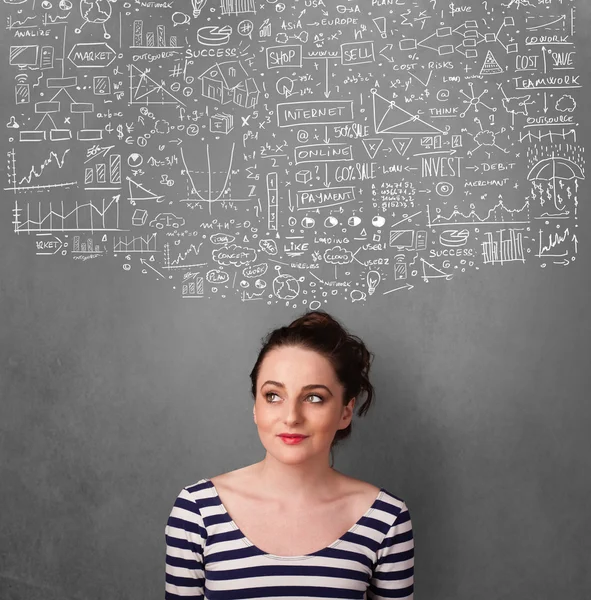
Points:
(95, 11)
(286, 287)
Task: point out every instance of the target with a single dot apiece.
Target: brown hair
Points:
(350, 359)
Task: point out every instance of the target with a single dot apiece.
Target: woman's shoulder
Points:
(350, 490)
(241, 483)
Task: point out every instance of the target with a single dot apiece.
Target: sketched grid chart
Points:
(298, 152)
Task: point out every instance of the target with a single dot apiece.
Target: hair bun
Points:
(315, 319)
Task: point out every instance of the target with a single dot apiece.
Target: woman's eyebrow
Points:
(305, 387)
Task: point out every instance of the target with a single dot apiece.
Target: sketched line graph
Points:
(136, 244)
(83, 217)
(35, 173)
(497, 215)
(558, 244)
(10, 24)
(183, 259)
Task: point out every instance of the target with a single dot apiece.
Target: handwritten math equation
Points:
(294, 152)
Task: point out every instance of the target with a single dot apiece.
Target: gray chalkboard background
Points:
(117, 389)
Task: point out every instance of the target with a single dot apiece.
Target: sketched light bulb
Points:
(373, 280)
(197, 7)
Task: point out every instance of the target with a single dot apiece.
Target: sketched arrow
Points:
(407, 286)
(178, 141)
(389, 47)
(145, 262)
(327, 91)
(562, 262)
(326, 180)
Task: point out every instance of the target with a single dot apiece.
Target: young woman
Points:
(291, 526)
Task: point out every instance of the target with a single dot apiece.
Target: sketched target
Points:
(444, 188)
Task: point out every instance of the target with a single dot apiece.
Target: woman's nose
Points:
(293, 412)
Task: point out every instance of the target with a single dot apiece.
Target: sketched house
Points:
(229, 82)
(246, 93)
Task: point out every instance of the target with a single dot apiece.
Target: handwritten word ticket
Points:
(292, 152)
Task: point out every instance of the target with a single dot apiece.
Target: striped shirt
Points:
(208, 557)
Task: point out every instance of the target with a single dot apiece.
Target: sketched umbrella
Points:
(553, 169)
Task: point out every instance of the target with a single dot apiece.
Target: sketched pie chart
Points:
(212, 35)
(285, 86)
(135, 160)
(454, 238)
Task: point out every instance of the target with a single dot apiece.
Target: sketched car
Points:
(168, 220)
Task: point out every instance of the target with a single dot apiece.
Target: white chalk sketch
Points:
(96, 12)
(553, 172)
(237, 7)
(296, 153)
(143, 89)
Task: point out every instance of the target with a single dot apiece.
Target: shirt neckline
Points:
(303, 556)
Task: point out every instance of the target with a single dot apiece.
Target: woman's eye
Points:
(320, 398)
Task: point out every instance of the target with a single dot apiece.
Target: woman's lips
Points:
(293, 439)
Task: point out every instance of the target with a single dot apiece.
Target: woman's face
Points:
(298, 392)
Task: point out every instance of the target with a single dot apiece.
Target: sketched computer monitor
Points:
(402, 238)
(24, 56)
